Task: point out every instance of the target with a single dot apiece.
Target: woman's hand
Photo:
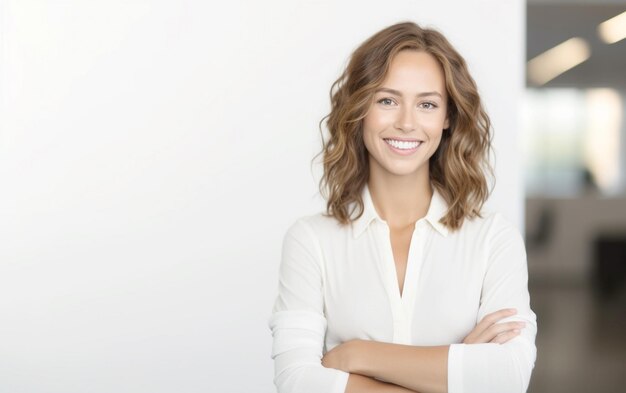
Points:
(488, 331)
(342, 357)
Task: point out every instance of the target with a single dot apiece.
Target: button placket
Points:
(414, 265)
(389, 274)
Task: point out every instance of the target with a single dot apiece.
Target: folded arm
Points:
(485, 367)
(407, 368)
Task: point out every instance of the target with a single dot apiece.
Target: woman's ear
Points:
(446, 124)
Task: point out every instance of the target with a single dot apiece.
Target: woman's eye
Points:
(385, 101)
(428, 105)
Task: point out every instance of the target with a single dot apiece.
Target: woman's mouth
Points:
(402, 147)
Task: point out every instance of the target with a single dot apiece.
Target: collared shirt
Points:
(338, 283)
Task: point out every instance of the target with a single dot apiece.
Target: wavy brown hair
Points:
(459, 165)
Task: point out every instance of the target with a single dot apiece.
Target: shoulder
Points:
(493, 228)
(315, 228)
(311, 239)
(501, 239)
(489, 221)
(317, 225)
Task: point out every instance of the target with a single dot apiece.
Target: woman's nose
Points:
(406, 120)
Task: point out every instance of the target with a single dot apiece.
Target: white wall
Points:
(153, 153)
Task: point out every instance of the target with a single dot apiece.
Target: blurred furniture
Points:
(564, 237)
(609, 265)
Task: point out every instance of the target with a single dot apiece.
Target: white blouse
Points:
(338, 283)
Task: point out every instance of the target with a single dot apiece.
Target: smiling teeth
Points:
(404, 145)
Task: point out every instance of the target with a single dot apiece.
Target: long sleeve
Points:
(484, 368)
(297, 322)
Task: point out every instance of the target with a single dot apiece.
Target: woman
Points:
(405, 284)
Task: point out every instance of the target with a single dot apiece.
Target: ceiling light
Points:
(614, 29)
(601, 138)
(557, 60)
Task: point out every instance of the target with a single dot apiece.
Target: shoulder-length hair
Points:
(457, 168)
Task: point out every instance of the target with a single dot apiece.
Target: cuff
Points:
(455, 368)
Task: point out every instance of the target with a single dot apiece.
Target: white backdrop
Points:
(152, 155)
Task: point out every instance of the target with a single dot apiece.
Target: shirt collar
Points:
(437, 209)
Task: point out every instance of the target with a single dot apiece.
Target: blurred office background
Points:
(574, 149)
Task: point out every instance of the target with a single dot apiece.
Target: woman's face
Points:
(403, 126)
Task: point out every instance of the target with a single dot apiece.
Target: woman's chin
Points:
(403, 171)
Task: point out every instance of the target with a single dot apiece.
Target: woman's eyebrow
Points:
(397, 93)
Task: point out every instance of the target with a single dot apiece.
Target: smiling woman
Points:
(404, 284)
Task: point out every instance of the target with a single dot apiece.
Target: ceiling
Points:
(550, 22)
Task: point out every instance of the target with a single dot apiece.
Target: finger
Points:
(499, 328)
(491, 319)
(494, 317)
(506, 336)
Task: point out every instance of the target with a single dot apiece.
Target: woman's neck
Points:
(400, 200)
